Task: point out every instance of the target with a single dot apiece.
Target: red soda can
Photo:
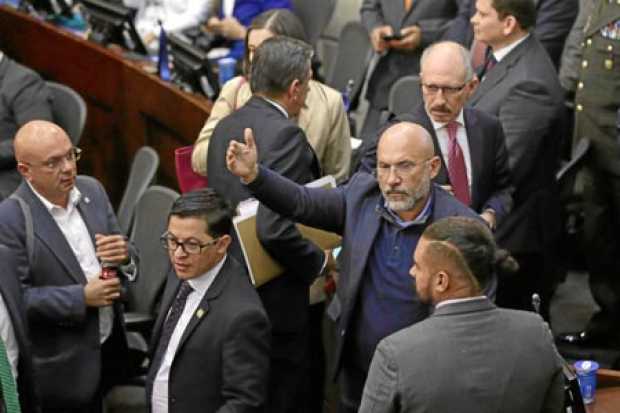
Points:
(108, 271)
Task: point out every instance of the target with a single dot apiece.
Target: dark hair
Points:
(280, 22)
(208, 205)
(277, 62)
(524, 11)
(476, 250)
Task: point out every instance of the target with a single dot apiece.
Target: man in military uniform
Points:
(597, 101)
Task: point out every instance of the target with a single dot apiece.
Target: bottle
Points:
(108, 271)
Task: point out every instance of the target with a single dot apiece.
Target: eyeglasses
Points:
(169, 242)
(56, 162)
(445, 90)
(401, 169)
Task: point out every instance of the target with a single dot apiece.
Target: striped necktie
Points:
(9, 387)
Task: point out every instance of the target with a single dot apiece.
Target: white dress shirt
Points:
(441, 130)
(503, 52)
(200, 285)
(76, 233)
(8, 337)
(460, 300)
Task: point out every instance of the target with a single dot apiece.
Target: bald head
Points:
(46, 159)
(34, 140)
(408, 138)
(447, 57)
(406, 163)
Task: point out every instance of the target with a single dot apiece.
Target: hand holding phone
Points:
(395, 36)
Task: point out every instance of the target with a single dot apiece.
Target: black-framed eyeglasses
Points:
(403, 168)
(56, 162)
(445, 90)
(191, 246)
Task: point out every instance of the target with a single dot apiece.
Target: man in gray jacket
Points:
(469, 356)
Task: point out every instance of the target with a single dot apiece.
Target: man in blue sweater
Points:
(381, 218)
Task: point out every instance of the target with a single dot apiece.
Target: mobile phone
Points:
(395, 36)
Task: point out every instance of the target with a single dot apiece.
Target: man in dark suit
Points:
(554, 19)
(470, 143)
(420, 23)
(519, 85)
(279, 79)
(468, 356)
(381, 219)
(24, 96)
(14, 332)
(210, 347)
(61, 230)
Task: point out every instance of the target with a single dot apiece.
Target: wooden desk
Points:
(127, 107)
(607, 396)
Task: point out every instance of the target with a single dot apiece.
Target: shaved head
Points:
(411, 137)
(406, 163)
(46, 159)
(35, 139)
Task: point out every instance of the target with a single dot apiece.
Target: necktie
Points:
(9, 387)
(489, 64)
(408, 4)
(169, 325)
(456, 166)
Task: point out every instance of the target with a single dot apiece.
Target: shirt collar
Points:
(278, 106)
(460, 119)
(74, 197)
(460, 300)
(202, 283)
(504, 51)
(1, 56)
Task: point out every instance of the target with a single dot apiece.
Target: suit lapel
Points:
(47, 230)
(495, 76)
(202, 312)
(442, 177)
(476, 146)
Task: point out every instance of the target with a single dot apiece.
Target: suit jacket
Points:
(349, 210)
(523, 91)
(282, 146)
(12, 295)
(222, 361)
(472, 355)
(432, 16)
(490, 186)
(24, 96)
(64, 332)
(323, 120)
(554, 19)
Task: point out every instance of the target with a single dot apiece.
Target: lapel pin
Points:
(87, 199)
(200, 313)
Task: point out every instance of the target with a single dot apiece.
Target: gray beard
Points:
(413, 198)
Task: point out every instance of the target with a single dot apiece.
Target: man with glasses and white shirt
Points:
(211, 340)
(474, 159)
(61, 229)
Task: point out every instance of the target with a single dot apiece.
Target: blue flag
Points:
(162, 64)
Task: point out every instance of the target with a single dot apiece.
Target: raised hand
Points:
(241, 159)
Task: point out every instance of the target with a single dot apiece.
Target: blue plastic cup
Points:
(227, 67)
(586, 375)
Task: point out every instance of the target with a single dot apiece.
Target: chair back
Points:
(68, 110)
(187, 179)
(354, 53)
(143, 168)
(314, 16)
(151, 221)
(405, 95)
